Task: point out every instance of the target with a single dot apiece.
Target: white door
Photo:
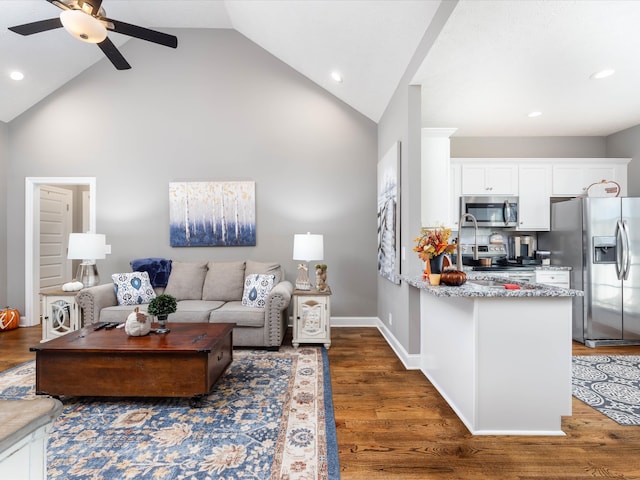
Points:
(56, 207)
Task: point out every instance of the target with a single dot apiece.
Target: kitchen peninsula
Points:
(500, 358)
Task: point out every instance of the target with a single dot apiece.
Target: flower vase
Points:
(162, 320)
(435, 269)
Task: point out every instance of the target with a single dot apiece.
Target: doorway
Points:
(32, 235)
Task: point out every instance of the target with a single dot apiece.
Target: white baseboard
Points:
(411, 361)
(24, 323)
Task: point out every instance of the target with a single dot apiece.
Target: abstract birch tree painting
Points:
(388, 215)
(212, 214)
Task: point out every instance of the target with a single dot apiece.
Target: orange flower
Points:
(433, 242)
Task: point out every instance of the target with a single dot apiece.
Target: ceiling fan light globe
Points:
(82, 26)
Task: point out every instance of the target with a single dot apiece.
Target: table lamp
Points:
(306, 247)
(87, 247)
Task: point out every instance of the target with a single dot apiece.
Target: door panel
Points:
(55, 225)
(605, 308)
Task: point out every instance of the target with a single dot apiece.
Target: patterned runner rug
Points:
(269, 417)
(610, 384)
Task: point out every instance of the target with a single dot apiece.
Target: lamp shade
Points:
(83, 26)
(87, 246)
(307, 246)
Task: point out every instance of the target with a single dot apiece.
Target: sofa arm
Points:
(276, 312)
(94, 299)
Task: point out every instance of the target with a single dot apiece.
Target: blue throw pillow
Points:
(157, 268)
(133, 288)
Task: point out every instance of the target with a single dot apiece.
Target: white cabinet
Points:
(311, 317)
(556, 278)
(572, 178)
(60, 313)
(489, 179)
(534, 187)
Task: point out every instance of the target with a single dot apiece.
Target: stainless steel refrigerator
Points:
(600, 239)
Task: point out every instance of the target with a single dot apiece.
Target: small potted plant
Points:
(161, 307)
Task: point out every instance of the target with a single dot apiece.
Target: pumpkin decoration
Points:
(72, 286)
(9, 319)
(138, 324)
(453, 278)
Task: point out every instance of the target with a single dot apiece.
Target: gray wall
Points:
(4, 160)
(217, 108)
(528, 147)
(626, 144)
(401, 122)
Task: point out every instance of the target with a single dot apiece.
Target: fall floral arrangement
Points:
(433, 242)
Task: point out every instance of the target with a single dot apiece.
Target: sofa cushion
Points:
(133, 288)
(157, 268)
(197, 311)
(235, 312)
(224, 281)
(256, 289)
(260, 267)
(119, 313)
(186, 280)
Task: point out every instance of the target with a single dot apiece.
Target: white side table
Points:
(312, 317)
(60, 313)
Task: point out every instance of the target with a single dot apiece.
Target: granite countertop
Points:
(467, 268)
(552, 267)
(468, 290)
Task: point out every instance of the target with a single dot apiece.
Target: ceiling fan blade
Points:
(142, 33)
(113, 54)
(37, 27)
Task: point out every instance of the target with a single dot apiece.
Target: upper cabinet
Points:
(534, 191)
(489, 179)
(572, 179)
(533, 180)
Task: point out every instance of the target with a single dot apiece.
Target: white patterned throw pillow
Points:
(256, 289)
(133, 288)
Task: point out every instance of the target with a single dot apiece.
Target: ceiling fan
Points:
(86, 20)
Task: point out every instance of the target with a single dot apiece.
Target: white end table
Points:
(312, 317)
(60, 313)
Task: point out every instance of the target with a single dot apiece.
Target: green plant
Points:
(162, 305)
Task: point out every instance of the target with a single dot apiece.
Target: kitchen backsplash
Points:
(484, 235)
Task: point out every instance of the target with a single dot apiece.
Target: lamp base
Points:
(302, 282)
(303, 286)
(88, 274)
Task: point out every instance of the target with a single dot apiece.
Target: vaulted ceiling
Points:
(369, 41)
(494, 62)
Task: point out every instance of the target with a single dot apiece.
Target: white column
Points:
(435, 181)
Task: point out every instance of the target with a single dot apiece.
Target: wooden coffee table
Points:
(186, 362)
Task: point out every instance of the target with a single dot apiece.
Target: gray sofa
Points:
(208, 292)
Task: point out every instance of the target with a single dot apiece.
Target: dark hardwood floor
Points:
(392, 424)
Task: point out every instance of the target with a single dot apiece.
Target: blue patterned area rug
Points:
(610, 384)
(269, 417)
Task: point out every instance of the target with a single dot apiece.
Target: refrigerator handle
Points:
(620, 250)
(625, 245)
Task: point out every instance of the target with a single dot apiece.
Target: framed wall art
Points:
(212, 214)
(389, 214)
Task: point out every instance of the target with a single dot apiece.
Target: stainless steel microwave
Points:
(489, 211)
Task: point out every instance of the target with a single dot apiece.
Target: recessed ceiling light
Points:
(534, 114)
(336, 76)
(16, 75)
(602, 74)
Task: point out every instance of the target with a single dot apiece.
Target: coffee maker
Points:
(521, 248)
